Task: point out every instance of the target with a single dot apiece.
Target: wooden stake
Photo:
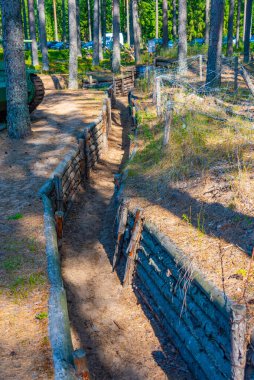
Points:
(123, 216)
(59, 193)
(201, 67)
(108, 104)
(87, 142)
(168, 122)
(80, 363)
(59, 218)
(236, 74)
(238, 342)
(158, 95)
(81, 144)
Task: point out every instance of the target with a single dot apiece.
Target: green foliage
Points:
(15, 216)
(42, 315)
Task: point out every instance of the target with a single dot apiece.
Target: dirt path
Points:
(24, 166)
(106, 319)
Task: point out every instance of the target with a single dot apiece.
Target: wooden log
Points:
(247, 79)
(59, 193)
(73, 167)
(238, 341)
(132, 247)
(86, 138)
(109, 119)
(80, 363)
(122, 221)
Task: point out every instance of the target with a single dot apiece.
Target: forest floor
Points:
(106, 319)
(198, 190)
(24, 167)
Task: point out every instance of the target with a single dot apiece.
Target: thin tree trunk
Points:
(43, 35)
(230, 28)
(131, 23)
(239, 6)
(182, 33)
(244, 18)
(18, 119)
(128, 22)
(89, 20)
(100, 34)
(96, 24)
(157, 19)
(247, 31)
(116, 59)
(136, 31)
(63, 21)
(24, 19)
(104, 21)
(207, 21)
(213, 76)
(174, 28)
(165, 23)
(78, 29)
(33, 32)
(73, 52)
(55, 20)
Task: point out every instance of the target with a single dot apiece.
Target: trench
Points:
(107, 320)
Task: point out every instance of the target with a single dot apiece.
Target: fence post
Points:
(81, 144)
(59, 219)
(108, 104)
(87, 138)
(104, 126)
(236, 73)
(59, 193)
(158, 95)
(168, 122)
(238, 341)
(201, 67)
(80, 363)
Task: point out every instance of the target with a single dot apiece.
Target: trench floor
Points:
(107, 320)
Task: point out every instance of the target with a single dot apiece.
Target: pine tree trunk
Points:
(182, 33)
(78, 29)
(55, 20)
(244, 18)
(207, 21)
(165, 23)
(174, 30)
(18, 118)
(104, 21)
(213, 76)
(33, 32)
(89, 20)
(24, 19)
(128, 22)
(73, 52)
(136, 31)
(156, 19)
(43, 35)
(96, 25)
(131, 23)
(247, 31)
(116, 60)
(239, 6)
(63, 21)
(230, 28)
(100, 34)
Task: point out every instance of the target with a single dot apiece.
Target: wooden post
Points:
(81, 144)
(158, 95)
(59, 218)
(122, 221)
(236, 73)
(168, 122)
(132, 248)
(247, 79)
(238, 342)
(80, 363)
(122, 85)
(104, 126)
(90, 79)
(59, 193)
(108, 104)
(201, 67)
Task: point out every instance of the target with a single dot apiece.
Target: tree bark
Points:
(78, 29)
(128, 22)
(207, 21)
(73, 52)
(100, 34)
(174, 30)
(24, 19)
(89, 20)
(104, 21)
(96, 25)
(116, 59)
(18, 119)
(33, 33)
(43, 35)
(247, 31)
(136, 31)
(213, 76)
(182, 33)
(230, 28)
(63, 21)
(239, 6)
(165, 23)
(156, 19)
(244, 18)
(55, 20)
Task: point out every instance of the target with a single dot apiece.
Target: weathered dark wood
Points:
(168, 122)
(238, 341)
(59, 193)
(59, 218)
(247, 79)
(87, 138)
(80, 363)
(235, 73)
(122, 221)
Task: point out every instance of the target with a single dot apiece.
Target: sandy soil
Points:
(24, 166)
(106, 319)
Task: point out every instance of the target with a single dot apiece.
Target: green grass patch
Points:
(15, 216)
(41, 316)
